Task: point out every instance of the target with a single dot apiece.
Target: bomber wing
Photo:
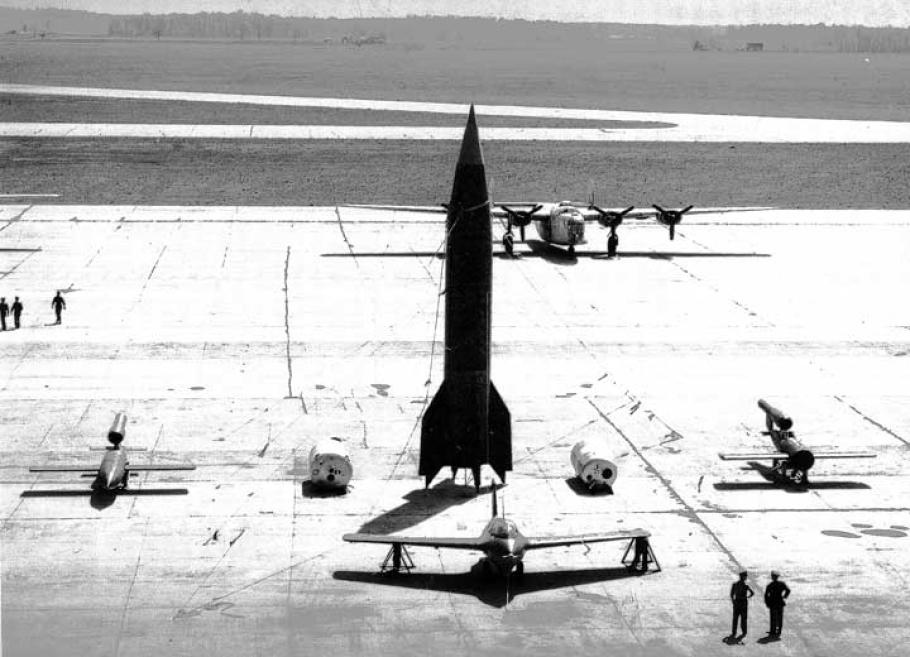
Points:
(153, 468)
(538, 542)
(457, 543)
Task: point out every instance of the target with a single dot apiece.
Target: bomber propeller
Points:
(610, 218)
(670, 217)
(520, 218)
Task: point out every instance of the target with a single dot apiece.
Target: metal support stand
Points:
(399, 557)
(643, 555)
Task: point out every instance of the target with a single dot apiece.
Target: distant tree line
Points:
(241, 25)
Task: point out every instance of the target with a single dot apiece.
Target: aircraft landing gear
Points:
(508, 243)
(612, 245)
(400, 559)
(642, 556)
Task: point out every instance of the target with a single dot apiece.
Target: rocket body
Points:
(467, 424)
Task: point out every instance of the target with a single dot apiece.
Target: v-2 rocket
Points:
(467, 424)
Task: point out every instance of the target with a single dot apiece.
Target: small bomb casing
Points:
(330, 464)
(593, 464)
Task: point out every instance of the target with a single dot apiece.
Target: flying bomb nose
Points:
(470, 143)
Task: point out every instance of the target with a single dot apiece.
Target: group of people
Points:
(15, 310)
(775, 595)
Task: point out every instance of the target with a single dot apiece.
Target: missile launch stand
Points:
(397, 558)
(641, 554)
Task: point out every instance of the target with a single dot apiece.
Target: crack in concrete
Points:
(690, 511)
(870, 420)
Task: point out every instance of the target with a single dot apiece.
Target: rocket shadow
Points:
(494, 592)
(420, 505)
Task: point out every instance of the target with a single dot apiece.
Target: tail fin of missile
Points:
(500, 435)
(493, 486)
(433, 439)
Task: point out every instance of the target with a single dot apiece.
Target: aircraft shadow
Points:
(100, 499)
(813, 485)
(420, 505)
(773, 481)
(495, 592)
(554, 254)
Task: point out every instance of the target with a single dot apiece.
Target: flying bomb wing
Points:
(154, 468)
(538, 542)
(843, 455)
(752, 456)
(64, 468)
(457, 543)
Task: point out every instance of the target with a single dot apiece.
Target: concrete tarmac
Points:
(235, 337)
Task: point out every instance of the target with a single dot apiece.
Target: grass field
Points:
(249, 172)
(776, 84)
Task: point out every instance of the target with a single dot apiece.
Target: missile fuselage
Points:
(779, 427)
(467, 424)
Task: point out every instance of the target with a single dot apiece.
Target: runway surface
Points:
(234, 337)
(682, 128)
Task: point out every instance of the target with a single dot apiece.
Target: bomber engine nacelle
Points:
(670, 218)
(775, 417)
(117, 432)
(594, 464)
(330, 464)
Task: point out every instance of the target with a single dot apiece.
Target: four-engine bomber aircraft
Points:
(502, 543)
(563, 223)
(114, 472)
(792, 461)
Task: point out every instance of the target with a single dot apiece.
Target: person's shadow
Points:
(733, 640)
(770, 638)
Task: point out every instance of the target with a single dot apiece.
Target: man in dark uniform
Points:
(740, 593)
(58, 304)
(4, 311)
(17, 311)
(775, 594)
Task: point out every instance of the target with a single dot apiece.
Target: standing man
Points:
(17, 311)
(4, 311)
(740, 593)
(775, 594)
(58, 305)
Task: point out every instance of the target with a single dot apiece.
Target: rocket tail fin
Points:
(433, 449)
(500, 435)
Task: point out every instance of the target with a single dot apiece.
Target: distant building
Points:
(755, 47)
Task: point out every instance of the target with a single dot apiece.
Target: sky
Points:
(697, 12)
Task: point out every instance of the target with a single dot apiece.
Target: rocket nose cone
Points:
(470, 143)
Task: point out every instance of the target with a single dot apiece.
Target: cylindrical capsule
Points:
(594, 464)
(329, 463)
